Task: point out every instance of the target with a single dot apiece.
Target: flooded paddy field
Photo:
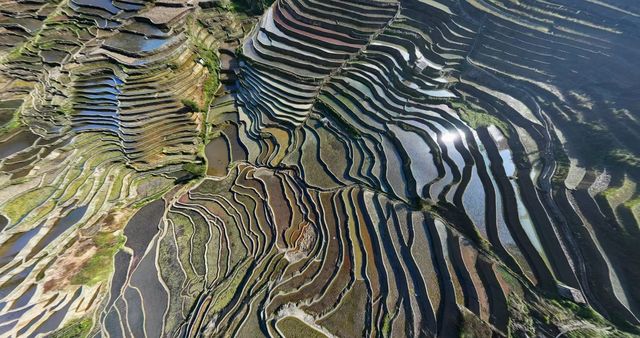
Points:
(436, 168)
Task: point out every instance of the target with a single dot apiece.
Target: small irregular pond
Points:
(135, 43)
(143, 226)
(106, 5)
(217, 153)
(21, 140)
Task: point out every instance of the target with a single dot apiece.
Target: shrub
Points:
(477, 119)
(192, 105)
(100, 265)
(250, 7)
(77, 328)
(196, 169)
(212, 62)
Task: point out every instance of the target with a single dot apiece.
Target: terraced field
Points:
(309, 168)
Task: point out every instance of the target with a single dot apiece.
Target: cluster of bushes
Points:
(100, 265)
(195, 169)
(77, 328)
(191, 105)
(250, 7)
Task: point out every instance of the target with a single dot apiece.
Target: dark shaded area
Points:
(17, 141)
(143, 226)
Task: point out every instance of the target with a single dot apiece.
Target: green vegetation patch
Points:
(477, 119)
(227, 290)
(174, 277)
(617, 195)
(348, 320)
(386, 325)
(184, 229)
(100, 266)
(150, 189)
(192, 105)
(634, 206)
(514, 284)
(292, 327)
(589, 333)
(116, 186)
(563, 163)
(12, 124)
(581, 311)
(19, 206)
(43, 211)
(249, 7)
(195, 169)
(77, 328)
(212, 62)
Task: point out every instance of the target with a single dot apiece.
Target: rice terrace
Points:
(319, 168)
